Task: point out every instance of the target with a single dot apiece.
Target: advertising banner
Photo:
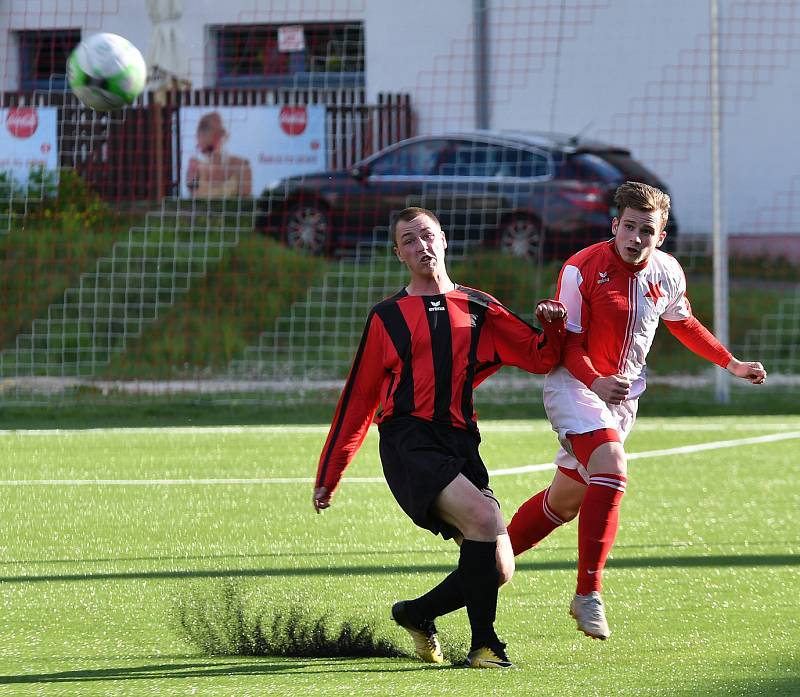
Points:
(27, 140)
(229, 151)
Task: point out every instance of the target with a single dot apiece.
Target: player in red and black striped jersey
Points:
(422, 353)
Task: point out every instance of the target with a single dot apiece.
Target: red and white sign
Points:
(293, 120)
(28, 139)
(257, 143)
(291, 38)
(22, 121)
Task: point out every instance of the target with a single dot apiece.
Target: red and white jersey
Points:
(616, 306)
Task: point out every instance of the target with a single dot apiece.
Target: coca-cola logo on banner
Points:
(22, 122)
(293, 119)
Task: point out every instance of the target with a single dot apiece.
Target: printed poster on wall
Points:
(28, 140)
(229, 151)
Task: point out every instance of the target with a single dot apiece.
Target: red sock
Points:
(597, 528)
(532, 523)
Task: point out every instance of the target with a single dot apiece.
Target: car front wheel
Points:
(307, 228)
(521, 236)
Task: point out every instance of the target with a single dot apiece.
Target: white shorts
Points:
(574, 408)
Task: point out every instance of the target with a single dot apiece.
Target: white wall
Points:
(633, 72)
(129, 18)
(426, 50)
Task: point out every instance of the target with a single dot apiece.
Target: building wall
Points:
(633, 72)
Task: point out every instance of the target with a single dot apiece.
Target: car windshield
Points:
(413, 159)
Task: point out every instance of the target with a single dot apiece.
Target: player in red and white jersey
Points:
(615, 293)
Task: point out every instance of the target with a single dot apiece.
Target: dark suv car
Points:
(537, 195)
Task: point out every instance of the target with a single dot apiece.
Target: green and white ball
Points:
(106, 72)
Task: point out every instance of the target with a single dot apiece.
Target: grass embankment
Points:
(258, 280)
(224, 312)
(46, 250)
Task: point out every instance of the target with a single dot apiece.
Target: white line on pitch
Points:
(165, 430)
(532, 426)
(681, 450)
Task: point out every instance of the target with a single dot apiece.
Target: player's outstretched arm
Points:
(752, 371)
(354, 412)
(515, 342)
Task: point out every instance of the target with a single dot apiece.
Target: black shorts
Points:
(421, 458)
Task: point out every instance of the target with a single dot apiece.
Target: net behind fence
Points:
(224, 244)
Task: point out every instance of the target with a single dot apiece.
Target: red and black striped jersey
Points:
(422, 356)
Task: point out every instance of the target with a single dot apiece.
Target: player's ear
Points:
(661, 238)
(614, 225)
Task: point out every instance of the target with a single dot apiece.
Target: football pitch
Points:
(107, 534)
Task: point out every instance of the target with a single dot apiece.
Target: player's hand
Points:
(613, 389)
(752, 371)
(322, 499)
(550, 311)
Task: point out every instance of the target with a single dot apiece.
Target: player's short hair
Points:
(642, 197)
(408, 214)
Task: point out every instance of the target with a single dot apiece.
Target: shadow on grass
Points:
(720, 560)
(621, 549)
(209, 557)
(788, 686)
(210, 669)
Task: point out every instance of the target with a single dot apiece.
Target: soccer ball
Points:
(106, 72)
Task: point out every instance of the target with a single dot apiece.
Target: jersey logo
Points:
(603, 277)
(436, 306)
(655, 293)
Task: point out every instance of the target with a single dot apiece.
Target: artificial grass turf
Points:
(700, 591)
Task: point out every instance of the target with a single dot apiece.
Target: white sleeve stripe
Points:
(569, 293)
(633, 295)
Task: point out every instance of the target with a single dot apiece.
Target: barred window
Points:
(43, 57)
(300, 55)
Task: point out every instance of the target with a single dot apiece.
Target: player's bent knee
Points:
(566, 505)
(567, 511)
(484, 526)
(476, 523)
(609, 458)
(565, 495)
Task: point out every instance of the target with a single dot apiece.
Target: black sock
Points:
(477, 570)
(444, 598)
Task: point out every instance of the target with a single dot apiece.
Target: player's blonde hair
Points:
(642, 197)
